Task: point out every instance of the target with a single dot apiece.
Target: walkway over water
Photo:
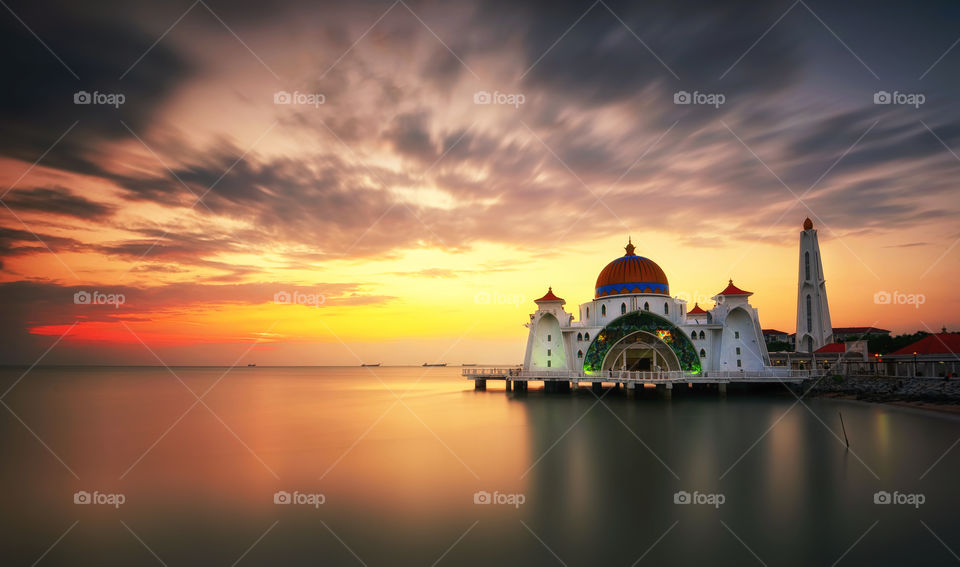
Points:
(563, 380)
(768, 374)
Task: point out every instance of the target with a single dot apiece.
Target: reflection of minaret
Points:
(813, 314)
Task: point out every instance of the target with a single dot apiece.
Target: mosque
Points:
(633, 323)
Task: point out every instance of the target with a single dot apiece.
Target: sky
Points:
(217, 182)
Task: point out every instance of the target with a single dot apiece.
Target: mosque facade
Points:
(634, 324)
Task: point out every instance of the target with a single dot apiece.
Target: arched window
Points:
(603, 310)
(703, 353)
(623, 308)
(702, 335)
(588, 312)
(666, 308)
(646, 306)
(548, 364)
(579, 336)
(693, 335)
(579, 354)
(586, 336)
(806, 264)
(809, 315)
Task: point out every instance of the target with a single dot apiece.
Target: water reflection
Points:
(399, 477)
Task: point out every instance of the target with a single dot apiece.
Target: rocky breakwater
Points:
(889, 389)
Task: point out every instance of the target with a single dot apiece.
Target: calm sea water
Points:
(575, 481)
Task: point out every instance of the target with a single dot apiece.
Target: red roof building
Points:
(936, 344)
(831, 348)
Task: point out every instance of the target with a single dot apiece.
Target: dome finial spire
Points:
(807, 224)
(629, 247)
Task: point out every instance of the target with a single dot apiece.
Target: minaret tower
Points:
(813, 314)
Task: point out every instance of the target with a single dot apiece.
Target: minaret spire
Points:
(814, 328)
(629, 247)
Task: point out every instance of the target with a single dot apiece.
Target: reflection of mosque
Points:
(633, 324)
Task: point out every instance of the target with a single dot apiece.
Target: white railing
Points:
(770, 373)
(514, 371)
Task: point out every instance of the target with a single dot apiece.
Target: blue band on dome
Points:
(623, 288)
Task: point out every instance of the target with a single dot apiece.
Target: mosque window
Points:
(666, 308)
(739, 364)
(806, 264)
(646, 306)
(549, 352)
(738, 350)
(623, 308)
(588, 312)
(809, 315)
(702, 335)
(603, 310)
(549, 338)
(693, 335)
(579, 354)
(703, 353)
(579, 336)
(586, 336)
(548, 363)
(736, 334)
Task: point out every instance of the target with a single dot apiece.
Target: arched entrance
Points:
(684, 356)
(640, 351)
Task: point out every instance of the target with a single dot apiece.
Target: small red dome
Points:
(696, 310)
(549, 296)
(631, 274)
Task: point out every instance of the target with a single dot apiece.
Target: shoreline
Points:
(923, 394)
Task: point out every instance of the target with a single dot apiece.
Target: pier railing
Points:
(770, 373)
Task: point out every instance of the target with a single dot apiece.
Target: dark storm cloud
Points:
(500, 179)
(37, 105)
(57, 201)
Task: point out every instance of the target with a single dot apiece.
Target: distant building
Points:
(845, 334)
(775, 336)
(933, 355)
(813, 313)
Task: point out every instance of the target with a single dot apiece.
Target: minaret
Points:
(813, 314)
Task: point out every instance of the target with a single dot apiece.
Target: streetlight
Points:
(914, 363)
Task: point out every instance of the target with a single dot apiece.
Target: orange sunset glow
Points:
(418, 221)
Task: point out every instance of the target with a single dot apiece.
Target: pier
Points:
(518, 380)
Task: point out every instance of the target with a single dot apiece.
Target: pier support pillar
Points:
(563, 386)
(597, 387)
(665, 390)
(722, 388)
(509, 385)
(479, 384)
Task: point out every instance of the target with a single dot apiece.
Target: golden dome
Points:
(631, 274)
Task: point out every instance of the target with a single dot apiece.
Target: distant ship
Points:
(468, 364)
(251, 364)
(438, 364)
(370, 364)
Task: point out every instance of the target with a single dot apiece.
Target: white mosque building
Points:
(633, 323)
